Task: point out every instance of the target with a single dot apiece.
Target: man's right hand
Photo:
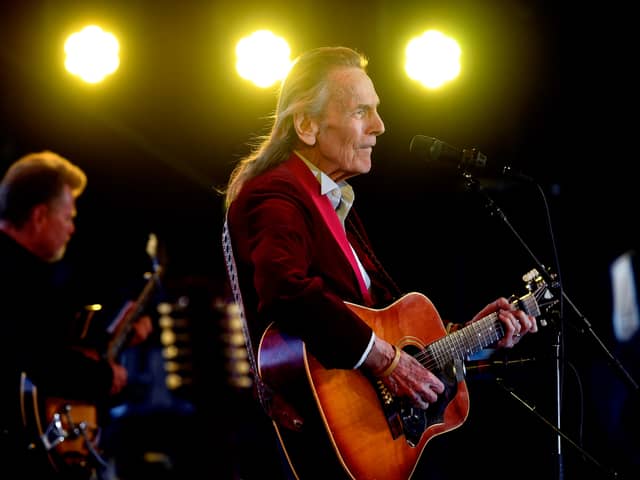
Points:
(409, 378)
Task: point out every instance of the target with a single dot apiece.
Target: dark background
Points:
(548, 88)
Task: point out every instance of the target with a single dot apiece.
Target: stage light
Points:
(91, 54)
(263, 58)
(432, 59)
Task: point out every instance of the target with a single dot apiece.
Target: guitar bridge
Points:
(405, 419)
(390, 409)
(54, 434)
(402, 419)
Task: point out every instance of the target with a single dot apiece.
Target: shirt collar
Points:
(326, 184)
(333, 190)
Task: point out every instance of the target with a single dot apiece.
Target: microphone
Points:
(439, 153)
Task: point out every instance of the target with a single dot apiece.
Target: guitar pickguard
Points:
(405, 419)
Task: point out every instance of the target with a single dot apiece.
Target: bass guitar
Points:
(351, 420)
(68, 430)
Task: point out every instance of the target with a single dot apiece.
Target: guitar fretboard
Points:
(463, 343)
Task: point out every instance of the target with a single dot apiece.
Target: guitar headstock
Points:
(540, 300)
(152, 245)
(154, 252)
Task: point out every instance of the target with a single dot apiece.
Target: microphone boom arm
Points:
(473, 185)
(553, 281)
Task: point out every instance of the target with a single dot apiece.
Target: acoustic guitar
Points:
(351, 426)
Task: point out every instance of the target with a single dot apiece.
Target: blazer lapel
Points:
(331, 219)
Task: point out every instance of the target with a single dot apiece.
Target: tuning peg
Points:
(530, 276)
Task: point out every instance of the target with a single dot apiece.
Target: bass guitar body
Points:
(65, 431)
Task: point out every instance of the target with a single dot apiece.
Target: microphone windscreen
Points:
(421, 147)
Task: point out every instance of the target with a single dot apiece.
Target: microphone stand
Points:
(533, 410)
(473, 185)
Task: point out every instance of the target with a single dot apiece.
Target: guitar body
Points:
(74, 453)
(65, 430)
(350, 420)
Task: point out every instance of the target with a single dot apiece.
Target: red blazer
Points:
(292, 271)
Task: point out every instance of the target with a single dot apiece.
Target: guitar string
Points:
(435, 359)
(423, 354)
(424, 357)
(434, 355)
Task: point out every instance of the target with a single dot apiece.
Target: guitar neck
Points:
(119, 338)
(463, 343)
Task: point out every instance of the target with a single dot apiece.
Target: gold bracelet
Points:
(394, 363)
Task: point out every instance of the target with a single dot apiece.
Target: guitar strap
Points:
(272, 403)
